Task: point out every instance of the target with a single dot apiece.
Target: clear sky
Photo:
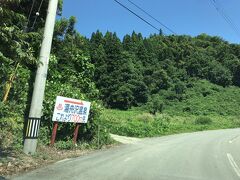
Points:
(190, 17)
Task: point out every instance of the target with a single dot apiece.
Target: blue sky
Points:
(190, 17)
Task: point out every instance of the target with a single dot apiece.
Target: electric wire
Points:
(228, 17)
(40, 6)
(37, 15)
(125, 7)
(137, 6)
(225, 17)
(29, 15)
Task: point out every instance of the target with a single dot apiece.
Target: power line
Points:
(29, 16)
(225, 17)
(137, 15)
(37, 14)
(152, 17)
(228, 17)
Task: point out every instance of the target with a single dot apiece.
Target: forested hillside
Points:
(129, 72)
(161, 74)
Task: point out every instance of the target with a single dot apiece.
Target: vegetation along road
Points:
(201, 155)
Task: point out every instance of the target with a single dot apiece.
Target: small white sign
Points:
(71, 110)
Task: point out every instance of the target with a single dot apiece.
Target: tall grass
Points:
(137, 123)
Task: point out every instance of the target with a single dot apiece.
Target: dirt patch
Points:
(125, 139)
(12, 163)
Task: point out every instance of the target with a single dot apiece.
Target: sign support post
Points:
(54, 133)
(75, 135)
(68, 110)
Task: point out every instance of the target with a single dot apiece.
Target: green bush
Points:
(205, 99)
(11, 133)
(162, 121)
(145, 117)
(44, 134)
(155, 104)
(102, 138)
(135, 123)
(11, 109)
(64, 144)
(203, 120)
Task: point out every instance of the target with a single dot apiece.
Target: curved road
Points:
(209, 155)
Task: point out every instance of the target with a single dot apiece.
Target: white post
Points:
(30, 142)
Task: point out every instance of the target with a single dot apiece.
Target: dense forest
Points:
(135, 71)
(129, 72)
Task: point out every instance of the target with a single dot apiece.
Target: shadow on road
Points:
(2, 178)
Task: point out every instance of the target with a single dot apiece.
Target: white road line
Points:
(233, 164)
(233, 139)
(64, 160)
(127, 159)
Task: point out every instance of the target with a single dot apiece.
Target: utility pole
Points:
(33, 122)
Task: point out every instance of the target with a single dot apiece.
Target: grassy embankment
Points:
(204, 107)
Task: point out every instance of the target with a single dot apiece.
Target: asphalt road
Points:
(209, 155)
